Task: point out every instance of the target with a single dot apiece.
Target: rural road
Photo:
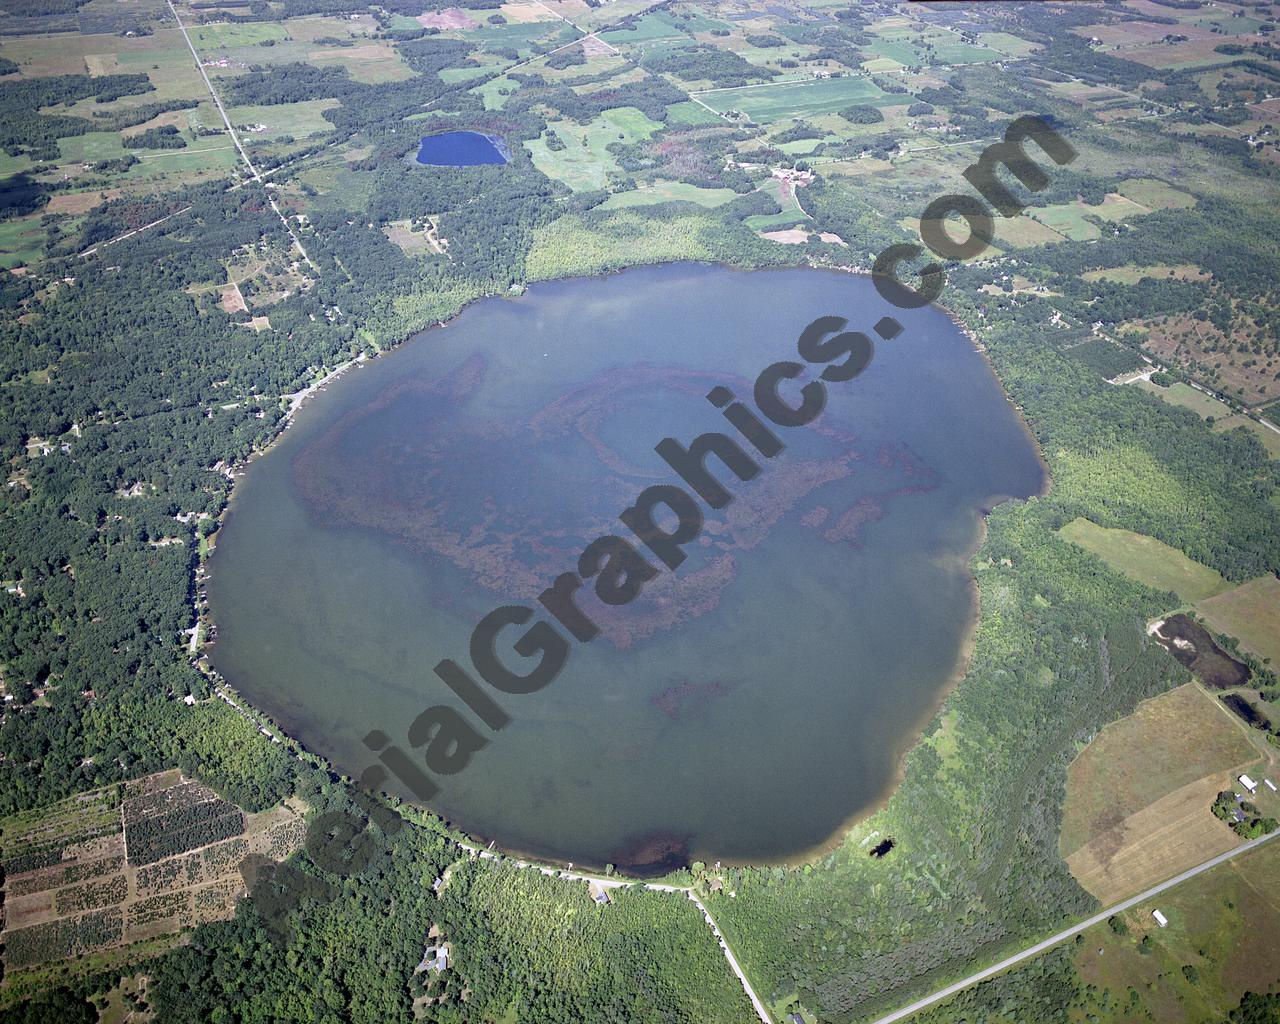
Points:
(1067, 933)
(232, 132)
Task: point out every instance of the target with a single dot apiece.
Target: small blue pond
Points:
(462, 149)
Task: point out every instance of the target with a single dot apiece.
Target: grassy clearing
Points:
(1022, 232)
(668, 192)
(297, 119)
(585, 161)
(1191, 398)
(21, 242)
(494, 92)
(691, 114)
(221, 37)
(937, 47)
(1014, 46)
(1250, 613)
(569, 247)
(1147, 560)
(650, 27)
(1155, 194)
(800, 99)
(1131, 274)
(1069, 219)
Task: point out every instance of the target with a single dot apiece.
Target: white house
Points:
(1248, 784)
(1161, 920)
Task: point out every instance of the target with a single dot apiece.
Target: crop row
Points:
(187, 829)
(29, 854)
(283, 839)
(167, 875)
(91, 895)
(158, 908)
(60, 939)
(166, 801)
(214, 901)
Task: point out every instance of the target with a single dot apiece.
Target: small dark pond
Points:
(1246, 711)
(1191, 644)
(462, 149)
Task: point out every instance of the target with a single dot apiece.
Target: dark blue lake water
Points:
(743, 707)
(462, 149)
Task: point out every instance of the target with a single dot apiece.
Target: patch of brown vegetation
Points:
(450, 17)
(1173, 55)
(1174, 833)
(80, 202)
(230, 299)
(791, 236)
(1169, 742)
(366, 51)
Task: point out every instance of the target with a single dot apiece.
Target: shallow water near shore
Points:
(742, 708)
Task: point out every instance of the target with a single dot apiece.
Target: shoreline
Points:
(916, 735)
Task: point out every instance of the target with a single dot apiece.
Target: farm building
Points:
(1161, 920)
(1269, 784)
(1248, 784)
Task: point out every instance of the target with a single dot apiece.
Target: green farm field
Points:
(1224, 925)
(648, 28)
(225, 36)
(21, 242)
(1147, 560)
(767, 103)
(668, 192)
(297, 119)
(1188, 397)
(585, 162)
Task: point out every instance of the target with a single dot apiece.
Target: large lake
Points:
(745, 706)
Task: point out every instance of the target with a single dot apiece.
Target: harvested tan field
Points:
(1174, 833)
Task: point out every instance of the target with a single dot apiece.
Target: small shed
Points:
(1161, 920)
(1269, 784)
(1248, 784)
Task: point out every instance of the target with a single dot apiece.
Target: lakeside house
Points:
(598, 893)
(1161, 920)
(1248, 784)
